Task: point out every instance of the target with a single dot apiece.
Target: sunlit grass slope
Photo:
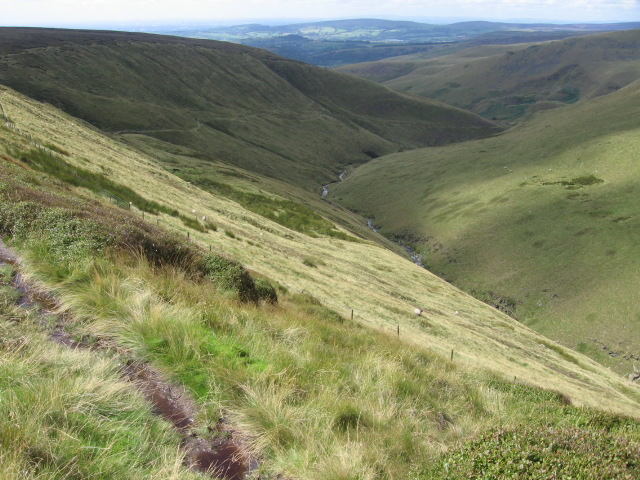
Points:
(507, 82)
(542, 220)
(68, 414)
(226, 103)
(380, 287)
(313, 394)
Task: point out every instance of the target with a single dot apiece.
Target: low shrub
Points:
(193, 223)
(531, 452)
(266, 292)
(309, 262)
(229, 275)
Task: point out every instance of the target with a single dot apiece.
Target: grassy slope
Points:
(381, 288)
(505, 82)
(224, 102)
(493, 216)
(279, 374)
(68, 414)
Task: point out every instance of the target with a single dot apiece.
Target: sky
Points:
(94, 12)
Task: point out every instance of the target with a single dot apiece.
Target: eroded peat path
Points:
(221, 455)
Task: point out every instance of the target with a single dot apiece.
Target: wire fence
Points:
(384, 325)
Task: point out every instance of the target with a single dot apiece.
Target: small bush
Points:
(230, 275)
(193, 223)
(266, 292)
(587, 180)
(229, 234)
(309, 262)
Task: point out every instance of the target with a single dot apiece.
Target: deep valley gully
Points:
(221, 455)
(412, 253)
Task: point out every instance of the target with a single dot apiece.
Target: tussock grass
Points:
(379, 287)
(279, 376)
(67, 414)
(315, 394)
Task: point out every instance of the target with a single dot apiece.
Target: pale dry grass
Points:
(380, 287)
(67, 414)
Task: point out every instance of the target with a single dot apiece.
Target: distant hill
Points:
(542, 221)
(343, 42)
(223, 102)
(507, 82)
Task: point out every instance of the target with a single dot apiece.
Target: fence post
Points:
(398, 330)
(452, 355)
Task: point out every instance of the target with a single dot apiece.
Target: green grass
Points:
(286, 212)
(54, 165)
(541, 219)
(68, 414)
(315, 394)
(277, 117)
(508, 82)
(280, 377)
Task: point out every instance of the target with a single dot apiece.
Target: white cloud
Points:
(52, 11)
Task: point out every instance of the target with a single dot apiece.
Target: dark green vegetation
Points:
(596, 450)
(69, 228)
(286, 212)
(277, 375)
(220, 102)
(541, 221)
(343, 42)
(46, 161)
(506, 82)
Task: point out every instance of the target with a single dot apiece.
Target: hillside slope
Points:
(541, 221)
(417, 397)
(224, 102)
(505, 83)
(379, 286)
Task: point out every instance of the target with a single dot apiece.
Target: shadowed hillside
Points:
(507, 82)
(540, 221)
(224, 102)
